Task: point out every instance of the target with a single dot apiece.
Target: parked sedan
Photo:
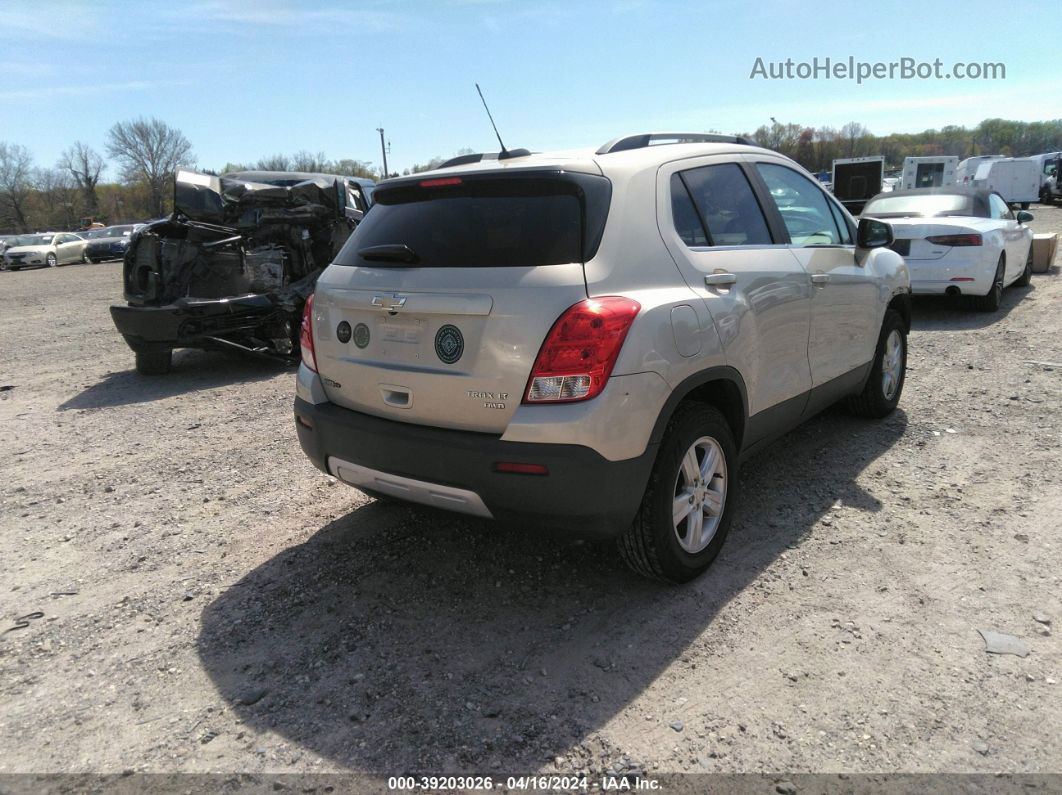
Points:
(110, 242)
(50, 249)
(6, 242)
(958, 241)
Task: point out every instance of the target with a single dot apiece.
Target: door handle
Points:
(720, 279)
(820, 278)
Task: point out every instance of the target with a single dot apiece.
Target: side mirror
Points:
(1024, 216)
(873, 233)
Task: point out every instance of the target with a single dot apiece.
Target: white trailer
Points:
(1016, 179)
(964, 172)
(928, 172)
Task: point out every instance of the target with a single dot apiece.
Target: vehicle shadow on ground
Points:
(943, 313)
(402, 639)
(192, 371)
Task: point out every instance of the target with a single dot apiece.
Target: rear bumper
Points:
(187, 323)
(583, 493)
(934, 277)
(104, 253)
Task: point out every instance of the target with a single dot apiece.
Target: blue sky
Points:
(247, 79)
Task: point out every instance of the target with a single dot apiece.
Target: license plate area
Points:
(400, 331)
(901, 247)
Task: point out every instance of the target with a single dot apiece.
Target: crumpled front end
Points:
(232, 268)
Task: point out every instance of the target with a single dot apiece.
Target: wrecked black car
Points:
(232, 267)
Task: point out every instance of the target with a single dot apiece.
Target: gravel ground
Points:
(211, 602)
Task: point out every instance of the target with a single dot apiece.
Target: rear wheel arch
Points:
(722, 387)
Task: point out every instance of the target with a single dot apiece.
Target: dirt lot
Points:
(213, 603)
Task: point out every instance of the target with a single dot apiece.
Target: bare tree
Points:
(16, 184)
(273, 163)
(85, 165)
(853, 134)
(353, 168)
(308, 161)
(149, 151)
(57, 201)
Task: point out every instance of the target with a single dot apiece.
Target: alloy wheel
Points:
(700, 494)
(891, 364)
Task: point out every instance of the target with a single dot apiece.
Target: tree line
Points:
(146, 152)
(817, 148)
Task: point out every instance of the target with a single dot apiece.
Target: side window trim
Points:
(775, 224)
(696, 209)
(839, 218)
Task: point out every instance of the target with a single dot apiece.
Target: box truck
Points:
(928, 172)
(1051, 188)
(856, 180)
(1016, 179)
(964, 172)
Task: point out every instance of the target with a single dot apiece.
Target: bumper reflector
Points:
(515, 468)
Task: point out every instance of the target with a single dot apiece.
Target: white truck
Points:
(964, 172)
(857, 180)
(1016, 179)
(928, 172)
(1050, 186)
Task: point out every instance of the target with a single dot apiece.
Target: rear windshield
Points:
(483, 222)
(928, 205)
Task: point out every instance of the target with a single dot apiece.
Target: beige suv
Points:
(593, 340)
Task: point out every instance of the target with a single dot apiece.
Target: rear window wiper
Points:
(389, 252)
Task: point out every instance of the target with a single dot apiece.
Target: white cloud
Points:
(89, 90)
(275, 13)
(48, 20)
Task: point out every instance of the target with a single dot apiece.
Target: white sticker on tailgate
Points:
(395, 330)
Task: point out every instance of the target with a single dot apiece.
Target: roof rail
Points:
(648, 139)
(463, 160)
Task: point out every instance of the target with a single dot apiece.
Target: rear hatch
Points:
(435, 309)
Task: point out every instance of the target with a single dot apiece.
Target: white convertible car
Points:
(50, 249)
(958, 241)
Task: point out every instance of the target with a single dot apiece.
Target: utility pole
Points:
(383, 151)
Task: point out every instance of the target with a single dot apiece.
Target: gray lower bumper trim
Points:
(433, 494)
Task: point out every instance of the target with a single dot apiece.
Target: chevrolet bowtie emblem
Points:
(389, 302)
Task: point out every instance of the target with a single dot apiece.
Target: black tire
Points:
(1045, 196)
(1025, 205)
(991, 301)
(874, 401)
(1026, 275)
(650, 546)
(51, 260)
(153, 362)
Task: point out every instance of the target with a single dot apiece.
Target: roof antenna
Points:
(504, 152)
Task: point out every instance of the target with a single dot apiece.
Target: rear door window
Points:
(482, 222)
(715, 206)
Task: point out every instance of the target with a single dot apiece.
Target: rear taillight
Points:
(580, 350)
(955, 240)
(306, 335)
(440, 182)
